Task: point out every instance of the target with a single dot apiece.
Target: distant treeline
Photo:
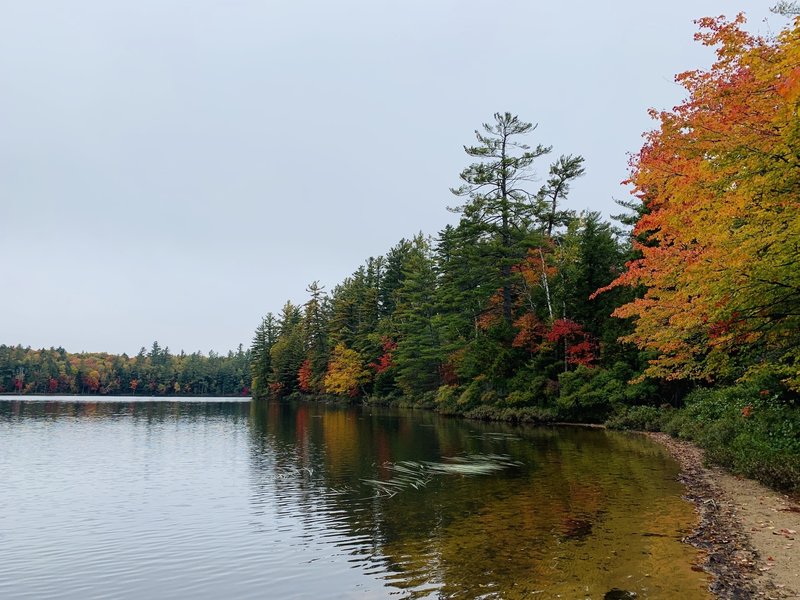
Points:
(688, 322)
(153, 373)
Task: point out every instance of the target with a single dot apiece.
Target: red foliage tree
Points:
(385, 361)
(304, 376)
(579, 348)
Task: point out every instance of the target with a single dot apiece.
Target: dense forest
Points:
(153, 373)
(683, 314)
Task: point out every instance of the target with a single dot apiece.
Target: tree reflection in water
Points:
(445, 508)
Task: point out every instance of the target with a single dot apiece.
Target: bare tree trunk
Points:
(546, 285)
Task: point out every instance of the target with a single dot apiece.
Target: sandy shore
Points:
(750, 534)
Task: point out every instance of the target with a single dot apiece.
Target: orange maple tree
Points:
(719, 242)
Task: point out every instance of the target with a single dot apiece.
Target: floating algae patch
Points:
(416, 474)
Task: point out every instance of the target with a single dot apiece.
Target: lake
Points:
(222, 498)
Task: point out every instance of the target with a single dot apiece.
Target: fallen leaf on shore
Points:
(787, 533)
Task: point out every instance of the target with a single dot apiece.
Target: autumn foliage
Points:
(304, 377)
(579, 348)
(346, 372)
(386, 360)
(159, 372)
(719, 239)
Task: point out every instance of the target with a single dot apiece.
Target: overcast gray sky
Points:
(174, 169)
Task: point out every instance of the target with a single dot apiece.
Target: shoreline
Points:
(746, 531)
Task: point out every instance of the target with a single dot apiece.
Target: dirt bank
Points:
(750, 534)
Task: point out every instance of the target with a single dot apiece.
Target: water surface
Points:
(171, 499)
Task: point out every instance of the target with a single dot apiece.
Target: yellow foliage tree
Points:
(346, 372)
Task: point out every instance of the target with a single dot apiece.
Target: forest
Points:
(156, 372)
(682, 314)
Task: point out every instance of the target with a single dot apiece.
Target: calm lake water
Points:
(225, 499)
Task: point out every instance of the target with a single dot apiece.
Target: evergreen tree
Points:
(315, 335)
(287, 354)
(499, 208)
(393, 274)
(261, 360)
(562, 172)
(419, 348)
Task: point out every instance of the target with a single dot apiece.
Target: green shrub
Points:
(530, 414)
(490, 398)
(483, 413)
(749, 431)
(592, 395)
(427, 400)
(471, 396)
(678, 424)
(586, 394)
(641, 418)
(447, 396)
(529, 385)
(520, 399)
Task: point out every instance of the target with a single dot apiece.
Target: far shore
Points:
(101, 396)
